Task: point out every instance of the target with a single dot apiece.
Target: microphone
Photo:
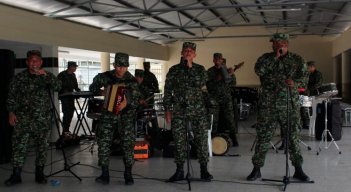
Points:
(281, 51)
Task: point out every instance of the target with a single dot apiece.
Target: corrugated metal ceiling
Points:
(166, 21)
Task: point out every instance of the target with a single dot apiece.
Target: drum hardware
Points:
(326, 132)
(327, 90)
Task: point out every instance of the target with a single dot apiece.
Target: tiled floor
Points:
(330, 170)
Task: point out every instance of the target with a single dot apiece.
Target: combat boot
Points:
(300, 175)
(15, 178)
(178, 175)
(255, 174)
(234, 140)
(205, 175)
(39, 175)
(282, 146)
(128, 177)
(104, 178)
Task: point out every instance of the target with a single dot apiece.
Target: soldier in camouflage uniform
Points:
(69, 83)
(29, 107)
(123, 123)
(315, 79)
(279, 71)
(151, 83)
(183, 91)
(219, 86)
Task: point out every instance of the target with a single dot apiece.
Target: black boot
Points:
(178, 175)
(234, 140)
(205, 175)
(282, 146)
(255, 174)
(128, 177)
(39, 175)
(15, 178)
(300, 175)
(104, 178)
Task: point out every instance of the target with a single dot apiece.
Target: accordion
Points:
(115, 98)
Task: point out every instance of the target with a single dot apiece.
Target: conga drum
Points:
(221, 144)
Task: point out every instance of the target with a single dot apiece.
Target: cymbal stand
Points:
(326, 132)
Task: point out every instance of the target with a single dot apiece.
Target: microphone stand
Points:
(55, 115)
(286, 178)
(187, 129)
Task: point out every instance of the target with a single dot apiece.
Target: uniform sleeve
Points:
(319, 80)
(168, 95)
(136, 93)
(300, 76)
(53, 82)
(75, 83)
(155, 83)
(12, 96)
(211, 83)
(97, 84)
(260, 68)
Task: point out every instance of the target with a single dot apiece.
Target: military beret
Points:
(311, 63)
(139, 73)
(121, 60)
(71, 63)
(34, 52)
(189, 45)
(217, 55)
(280, 37)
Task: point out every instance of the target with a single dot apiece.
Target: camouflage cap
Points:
(189, 45)
(71, 63)
(121, 60)
(139, 73)
(311, 63)
(218, 55)
(146, 63)
(280, 37)
(33, 52)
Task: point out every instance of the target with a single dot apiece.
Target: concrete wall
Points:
(236, 50)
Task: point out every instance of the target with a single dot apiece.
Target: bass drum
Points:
(221, 144)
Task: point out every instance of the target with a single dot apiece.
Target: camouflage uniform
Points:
(109, 122)
(315, 80)
(151, 83)
(69, 83)
(29, 100)
(221, 91)
(273, 103)
(183, 90)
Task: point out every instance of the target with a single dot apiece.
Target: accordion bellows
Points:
(115, 98)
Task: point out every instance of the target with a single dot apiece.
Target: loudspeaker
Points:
(334, 120)
(7, 63)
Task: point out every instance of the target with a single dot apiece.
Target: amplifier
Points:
(141, 150)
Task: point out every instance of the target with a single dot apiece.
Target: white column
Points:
(139, 63)
(105, 61)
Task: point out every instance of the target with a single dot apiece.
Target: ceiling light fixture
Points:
(277, 10)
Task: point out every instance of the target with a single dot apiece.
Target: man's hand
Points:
(168, 117)
(12, 119)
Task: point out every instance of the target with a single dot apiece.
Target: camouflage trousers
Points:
(265, 128)
(124, 124)
(225, 108)
(36, 130)
(68, 112)
(199, 127)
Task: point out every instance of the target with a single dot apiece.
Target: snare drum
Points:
(305, 101)
(327, 90)
(221, 144)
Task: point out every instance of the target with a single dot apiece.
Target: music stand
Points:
(56, 117)
(326, 132)
(286, 179)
